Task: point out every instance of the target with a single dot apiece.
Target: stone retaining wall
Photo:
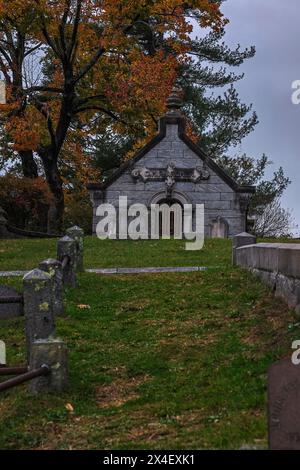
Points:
(277, 264)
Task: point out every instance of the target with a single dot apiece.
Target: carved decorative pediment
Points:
(142, 173)
(194, 175)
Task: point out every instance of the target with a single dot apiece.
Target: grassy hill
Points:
(157, 361)
(26, 254)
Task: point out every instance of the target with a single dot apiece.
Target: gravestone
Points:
(219, 228)
(284, 405)
(9, 309)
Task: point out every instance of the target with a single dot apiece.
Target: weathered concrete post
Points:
(78, 235)
(53, 353)
(54, 268)
(38, 306)
(242, 239)
(66, 246)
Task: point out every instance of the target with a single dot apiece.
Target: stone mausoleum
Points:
(172, 169)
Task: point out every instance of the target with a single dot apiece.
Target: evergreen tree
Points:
(221, 121)
(250, 171)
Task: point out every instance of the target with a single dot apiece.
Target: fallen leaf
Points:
(69, 407)
(83, 306)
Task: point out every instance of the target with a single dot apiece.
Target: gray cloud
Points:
(273, 27)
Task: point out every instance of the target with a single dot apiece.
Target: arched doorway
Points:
(173, 222)
(170, 216)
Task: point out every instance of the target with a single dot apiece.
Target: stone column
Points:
(54, 268)
(242, 239)
(38, 306)
(78, 235)
(66, 246)
(53, 353)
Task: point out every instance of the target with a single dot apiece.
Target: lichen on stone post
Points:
(54, 268)
(77, 234)
(53, 353)
(38, 306)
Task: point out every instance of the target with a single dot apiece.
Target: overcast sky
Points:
(272, 26)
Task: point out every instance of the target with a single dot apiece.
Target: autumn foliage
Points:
(108, 63)
(24, 200)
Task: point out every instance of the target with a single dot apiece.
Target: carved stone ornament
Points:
(170, 175)
(141, 173)
(170, 179)
(199, 174)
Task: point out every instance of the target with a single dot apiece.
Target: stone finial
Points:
(174, 102)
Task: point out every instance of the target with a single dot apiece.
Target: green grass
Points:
(160, 361)
(26, 254)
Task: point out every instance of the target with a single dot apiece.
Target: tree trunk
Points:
(57, 206)
(29, 166)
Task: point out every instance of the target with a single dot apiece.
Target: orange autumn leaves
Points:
(134, 84)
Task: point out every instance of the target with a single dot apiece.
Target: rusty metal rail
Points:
(32, 374)
(13, 370)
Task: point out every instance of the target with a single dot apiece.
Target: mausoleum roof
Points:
(173, 116)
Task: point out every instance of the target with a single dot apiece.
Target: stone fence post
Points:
(54, 268)
(38, 307)
(66, 246)
(78, 235)
(242, 239)
(42, 346)
(53, 353)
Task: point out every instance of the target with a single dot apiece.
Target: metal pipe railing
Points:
(32, 374)
(13, 370)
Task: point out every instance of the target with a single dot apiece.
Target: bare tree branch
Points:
(32, 49)
(46, 89)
